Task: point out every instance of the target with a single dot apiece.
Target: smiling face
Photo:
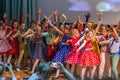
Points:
(88, 34)
(15, 25)
(22, 26)
(104, 32)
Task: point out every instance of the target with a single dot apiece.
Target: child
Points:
(114, 50)
(89, 56)
(38, 54)
(22, 46)
(73, 56)
(4, 45)
(104, 49)
(13, 42)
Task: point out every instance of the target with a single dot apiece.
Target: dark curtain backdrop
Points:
(13, 8)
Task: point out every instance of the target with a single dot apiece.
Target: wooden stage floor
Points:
(24, 74)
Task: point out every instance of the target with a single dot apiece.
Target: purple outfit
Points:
(39, 52)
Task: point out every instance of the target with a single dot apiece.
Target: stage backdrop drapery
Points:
(13, 8)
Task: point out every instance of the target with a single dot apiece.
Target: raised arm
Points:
(38, 15)
(80, 40)
(83, 44)
(63, 22)
(99, 23)
(8, 35)
(5, 19)
(115, 32)
(55, 28)
(21, 18)
(80, 24)
(55, 16)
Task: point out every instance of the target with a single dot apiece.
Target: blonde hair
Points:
(73, 32)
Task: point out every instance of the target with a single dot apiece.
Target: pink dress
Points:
(89, 57)
(4, 45)
(73, 57)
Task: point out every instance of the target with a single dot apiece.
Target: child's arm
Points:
(80, 24)
(63, 22)
(8, 35)
(80, 40)
(83, 44)
(38, 15)
(20, 18)
(104, 42)
(115, 32)
(5, 19)
(74, 24)
(66, 72)
(55, 16)
(99, 24)
(59, 31)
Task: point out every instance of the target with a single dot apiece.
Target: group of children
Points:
(81, 44)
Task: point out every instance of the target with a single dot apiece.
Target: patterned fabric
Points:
(38, 52)
(89, 57)
(73, 57)
(64, 50)
(4, 45)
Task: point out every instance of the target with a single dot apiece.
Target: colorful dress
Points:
(14, 43)
(4, 45)
(89, 56)
(64, 50)
(73, 56)
(39, 49)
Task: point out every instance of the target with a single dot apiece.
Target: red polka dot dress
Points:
(73, 56)
(89, 57)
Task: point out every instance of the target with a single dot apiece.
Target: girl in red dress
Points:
(73, 56)
(13, 42)
(89, 57)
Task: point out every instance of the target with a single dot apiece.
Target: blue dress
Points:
(39, 52)
(64, 50)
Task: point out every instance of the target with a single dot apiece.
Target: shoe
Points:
(18, 69)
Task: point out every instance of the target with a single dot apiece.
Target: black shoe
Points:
(109, 78)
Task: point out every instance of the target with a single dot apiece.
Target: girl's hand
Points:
(55, 11)
(5, 15)
(76, 44)
(64, 16)
(112, 26)
(99, 14)
(39, 11)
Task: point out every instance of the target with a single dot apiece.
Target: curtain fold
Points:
(13, 8)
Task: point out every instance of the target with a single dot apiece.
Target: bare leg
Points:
(83, 73)
(9, 58)
(4, 56)
(102, 65)
(72, 69)
(93, 72)
(57, 73)
(35, 65)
